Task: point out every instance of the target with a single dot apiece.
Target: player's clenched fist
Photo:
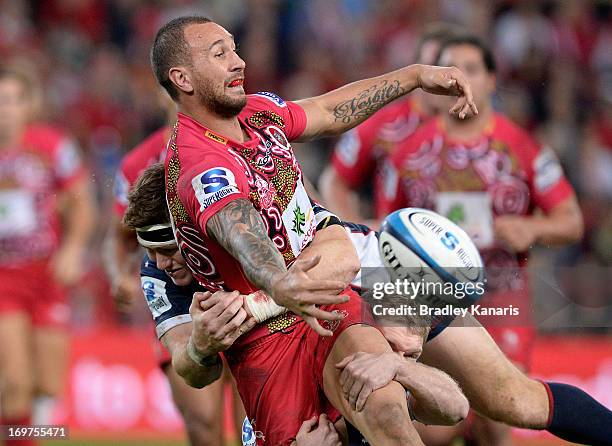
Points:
(324, 434)
(218, 320)
(298, 292)
(448, 81)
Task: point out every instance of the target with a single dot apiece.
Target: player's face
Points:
(14, 106)
(469, 60)
(173, 264)
(217, 72)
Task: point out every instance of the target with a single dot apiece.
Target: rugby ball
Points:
(421, 246)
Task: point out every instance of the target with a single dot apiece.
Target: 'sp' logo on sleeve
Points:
(212, 185)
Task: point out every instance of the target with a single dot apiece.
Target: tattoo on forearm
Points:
(239, 229)
(368, 101)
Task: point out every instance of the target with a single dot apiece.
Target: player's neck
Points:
(228, 127)
(468, 129)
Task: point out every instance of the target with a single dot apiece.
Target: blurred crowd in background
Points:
(555, 78)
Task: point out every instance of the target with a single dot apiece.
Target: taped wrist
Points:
(198, 358)
(262, 307)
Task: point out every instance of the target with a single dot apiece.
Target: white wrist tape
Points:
(262, 307)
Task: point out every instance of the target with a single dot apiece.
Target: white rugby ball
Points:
(419, 245)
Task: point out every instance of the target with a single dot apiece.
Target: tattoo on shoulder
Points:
(368, 101)
(238, 227)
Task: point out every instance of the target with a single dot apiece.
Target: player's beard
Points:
(216, 101)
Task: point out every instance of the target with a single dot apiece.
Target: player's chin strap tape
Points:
(262, 307)
(156, 236)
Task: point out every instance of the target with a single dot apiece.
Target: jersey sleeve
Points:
(168, 303)
(547, 183)
(352, 157)
(210, 185)
(293, 115)
(67, 162)
(390, 196)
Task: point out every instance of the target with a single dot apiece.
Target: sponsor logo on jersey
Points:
(248, 433)
(272, 97)
(155, 293)
(218, 138)
(299, 220)
(213, 185)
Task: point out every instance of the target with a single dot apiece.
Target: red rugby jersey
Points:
(205, 171)
(360, 152)
(150, 151)
(32, 174)
(503, 172)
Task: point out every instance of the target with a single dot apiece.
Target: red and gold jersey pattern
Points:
(205, 171)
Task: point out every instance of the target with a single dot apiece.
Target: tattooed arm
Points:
(342, 109)
(238, 227)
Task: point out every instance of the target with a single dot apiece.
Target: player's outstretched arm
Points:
(238, 227)
(342, 109)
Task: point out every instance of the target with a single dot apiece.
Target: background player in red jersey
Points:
(488, 176)
(227, 155)
(42, 181)
(359, 153)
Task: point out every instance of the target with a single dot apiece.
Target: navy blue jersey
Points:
(168, 303)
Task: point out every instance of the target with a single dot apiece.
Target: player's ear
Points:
(179, 77)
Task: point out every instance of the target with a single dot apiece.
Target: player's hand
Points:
(449, 81)
(363, 373)
(514, 232)
(218, 320)
(126, 290)
(67, 264)
(324, 434)
(297, 292)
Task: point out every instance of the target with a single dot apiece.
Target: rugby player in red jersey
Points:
(242, 216)
(216, 321)
(488, 176)
(42, 180)
(359, 153)
(474, 360)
